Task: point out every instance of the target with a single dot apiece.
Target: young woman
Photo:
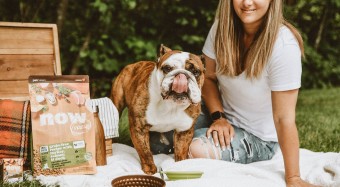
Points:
(253, 73)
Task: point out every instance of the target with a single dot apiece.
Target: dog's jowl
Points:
(161, 96)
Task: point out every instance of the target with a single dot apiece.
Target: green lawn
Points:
(317, 119)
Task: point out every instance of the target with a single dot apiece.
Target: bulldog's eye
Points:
(166, 69)
(190, 67)
(196, 72)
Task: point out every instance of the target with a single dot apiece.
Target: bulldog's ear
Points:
(163, 49)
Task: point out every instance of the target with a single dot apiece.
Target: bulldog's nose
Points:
(180, 83)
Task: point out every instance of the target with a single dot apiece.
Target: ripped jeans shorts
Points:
(245, 147)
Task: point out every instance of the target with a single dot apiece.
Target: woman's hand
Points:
(298, 182)
(222, 133)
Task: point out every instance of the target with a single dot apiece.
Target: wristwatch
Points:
(217, 115)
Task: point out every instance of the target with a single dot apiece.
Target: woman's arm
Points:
(210, 92)
(212, 99)
(284, 103)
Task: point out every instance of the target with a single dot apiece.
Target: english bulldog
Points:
(161, 96)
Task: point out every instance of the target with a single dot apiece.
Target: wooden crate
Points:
(26, 49)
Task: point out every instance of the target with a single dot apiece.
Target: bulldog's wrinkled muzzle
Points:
(180, 83)
(181, 86)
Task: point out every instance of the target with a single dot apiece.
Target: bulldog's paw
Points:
(149, 169)
(181, 157)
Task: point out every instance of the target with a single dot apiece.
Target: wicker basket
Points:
(138, 181)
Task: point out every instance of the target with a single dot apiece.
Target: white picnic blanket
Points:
(316, 167)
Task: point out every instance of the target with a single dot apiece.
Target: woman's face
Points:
(251, 12)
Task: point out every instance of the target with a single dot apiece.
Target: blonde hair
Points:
(229, 44)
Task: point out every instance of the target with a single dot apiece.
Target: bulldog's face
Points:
(181, 75)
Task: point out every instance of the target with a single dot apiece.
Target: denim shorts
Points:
(245, 147)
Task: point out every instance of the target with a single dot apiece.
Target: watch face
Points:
(217, 115)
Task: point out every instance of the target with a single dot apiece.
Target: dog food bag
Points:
(11, 169)
(62, 127)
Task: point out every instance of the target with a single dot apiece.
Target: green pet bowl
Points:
(182, 175)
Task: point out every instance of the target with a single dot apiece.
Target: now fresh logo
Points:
(62, 118)
(78, 122)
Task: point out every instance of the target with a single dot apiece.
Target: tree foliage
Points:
(99, 37)
(319, 23)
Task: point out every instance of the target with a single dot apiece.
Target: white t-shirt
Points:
(247, 103)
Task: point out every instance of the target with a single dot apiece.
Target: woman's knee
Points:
(201, 147)
(195, 149)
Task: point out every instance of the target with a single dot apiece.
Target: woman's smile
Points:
(248, 10)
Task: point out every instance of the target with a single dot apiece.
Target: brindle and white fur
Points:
(148, 90)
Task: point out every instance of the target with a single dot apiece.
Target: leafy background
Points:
(99, 37)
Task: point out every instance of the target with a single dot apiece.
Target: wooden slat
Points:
(26, 49)
(15, 97)
(21, 24)
(56, 50)
(10, 89)
(26, 38)
(20, 67)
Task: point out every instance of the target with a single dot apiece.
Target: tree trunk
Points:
(29, 10)
(74, 69)
(321, 28)
(37, 9)
(24, 10)
(61, 15)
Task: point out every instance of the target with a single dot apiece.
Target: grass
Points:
(317, 119)
(21, 184)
